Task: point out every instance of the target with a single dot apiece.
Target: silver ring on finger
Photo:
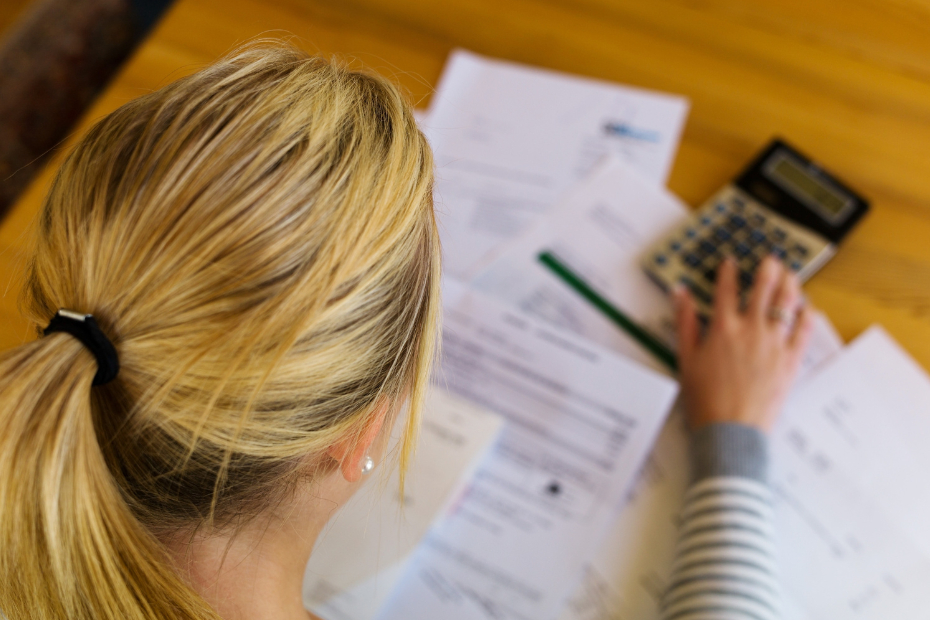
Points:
(781, 315)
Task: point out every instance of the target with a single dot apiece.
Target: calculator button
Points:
(745, 279)
(722, 234)
(796, 266)
(779, 252)
(706, 220)
(757, 236)
(800, 250)
(711, 275)
(721, 207)
(674, 246)
(779, 235)
(692, 260)
(738, 203)
(742, 250)
(660, 259)
(690, 233)
(737, 221)
(757, 219)
(707, 247)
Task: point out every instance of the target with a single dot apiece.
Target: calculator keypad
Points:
(729, 225)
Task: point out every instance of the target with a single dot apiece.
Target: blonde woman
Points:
(236, 282)
(257, 242)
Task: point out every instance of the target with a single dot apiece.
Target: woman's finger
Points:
(786, 301)
(767, 279)
(688, 328)
(803, 328)
(726, 293)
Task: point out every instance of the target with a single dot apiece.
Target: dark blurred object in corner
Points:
(53, 63)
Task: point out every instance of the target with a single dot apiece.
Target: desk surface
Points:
(847, 81)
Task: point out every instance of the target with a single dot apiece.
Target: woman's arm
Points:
(734, 382)
(724, 566)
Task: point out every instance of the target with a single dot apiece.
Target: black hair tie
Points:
(85, 328)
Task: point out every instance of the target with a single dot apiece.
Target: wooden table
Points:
(846, 80)
(10, 11)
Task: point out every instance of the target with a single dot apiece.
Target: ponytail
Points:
(68, 539)
(261, 237)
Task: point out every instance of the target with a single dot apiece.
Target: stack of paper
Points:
(579, 422)
(572, 514)
(601, 228)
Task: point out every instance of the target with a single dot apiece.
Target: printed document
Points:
(579, 423)
(364, 549)
(850, 480)
(510, 140)
(600, 230)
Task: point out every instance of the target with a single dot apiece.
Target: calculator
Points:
(782, 204)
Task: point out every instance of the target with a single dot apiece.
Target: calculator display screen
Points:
(793, 178)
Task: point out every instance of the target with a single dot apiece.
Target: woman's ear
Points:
(351, 452)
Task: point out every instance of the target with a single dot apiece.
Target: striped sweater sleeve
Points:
(724, 563)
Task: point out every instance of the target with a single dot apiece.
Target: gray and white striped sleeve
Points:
(725, 565)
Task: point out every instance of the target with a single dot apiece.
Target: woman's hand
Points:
(743, 367)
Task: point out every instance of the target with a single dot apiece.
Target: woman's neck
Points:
(257, 572)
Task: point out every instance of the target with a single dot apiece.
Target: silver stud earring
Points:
(368, 466)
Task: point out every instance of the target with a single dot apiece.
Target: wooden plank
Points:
(15, 330)
(10, 12)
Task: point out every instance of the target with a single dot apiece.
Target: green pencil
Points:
(643, 337)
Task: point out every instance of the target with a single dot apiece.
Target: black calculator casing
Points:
(754, 182)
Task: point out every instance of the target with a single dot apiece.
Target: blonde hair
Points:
(258, 241)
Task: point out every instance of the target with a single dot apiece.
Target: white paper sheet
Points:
(510, 140)
(362, 552)
(628, 576)
(580, 421)
(851, 485)
(600, 230)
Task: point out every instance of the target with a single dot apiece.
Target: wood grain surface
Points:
(847, 81)
(10, 11)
